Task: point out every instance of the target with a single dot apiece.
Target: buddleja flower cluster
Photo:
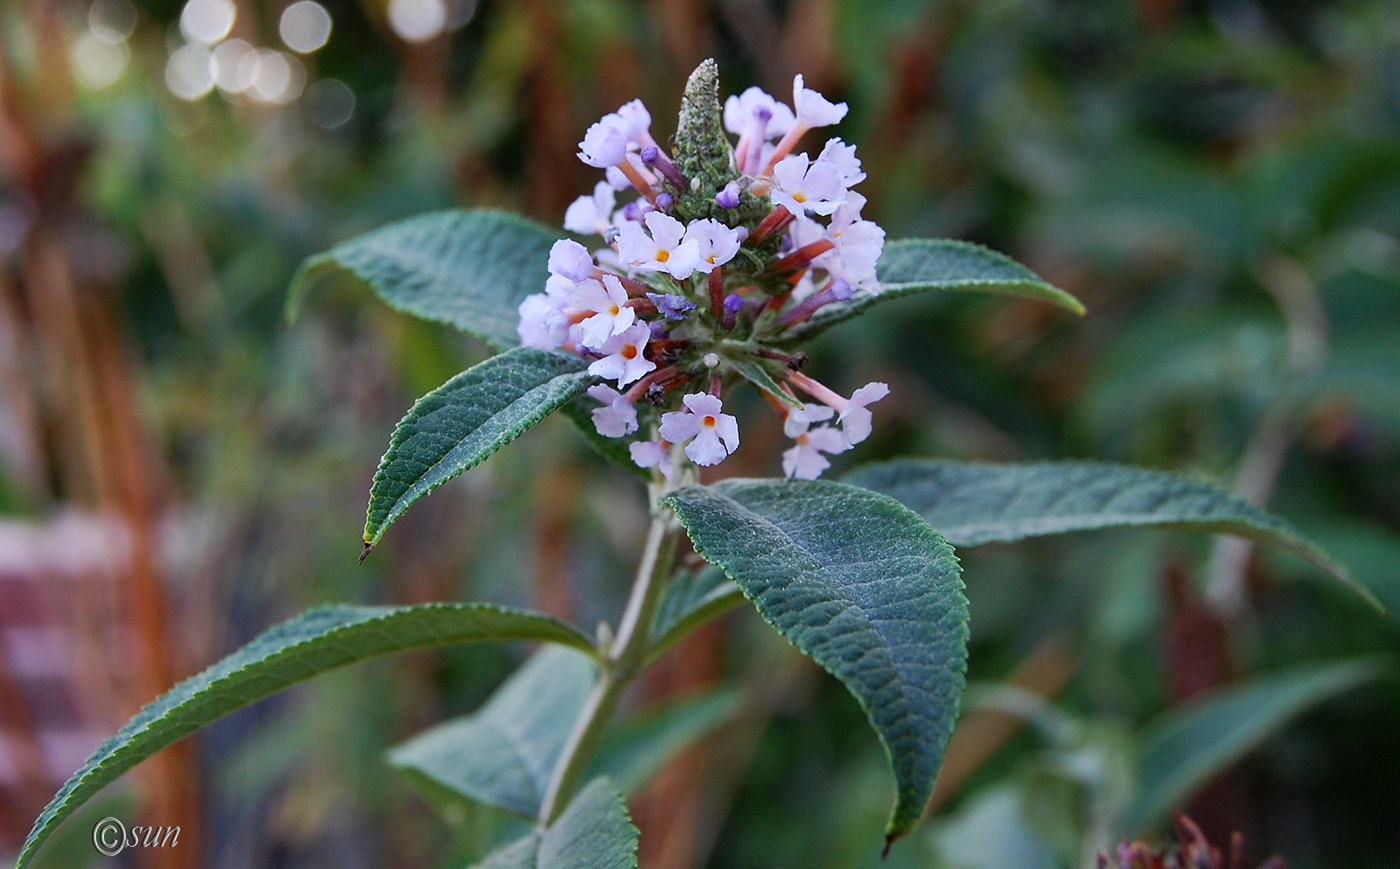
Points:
(726, 246)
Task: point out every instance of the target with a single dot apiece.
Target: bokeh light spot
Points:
(329, 103)
(98, 63)
(417, 20)
(190, 72)
(112, 20)
(207, 21)
(305, 26)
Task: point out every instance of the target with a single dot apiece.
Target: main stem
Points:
(619, 667)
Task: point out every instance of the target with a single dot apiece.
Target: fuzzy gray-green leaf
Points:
(308, 645)
(866, 588)
(1187, 747)
(921, 265)
(456, 426)
(468, 269)
(595, 832)
(973, 503)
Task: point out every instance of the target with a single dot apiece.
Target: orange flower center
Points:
(613, 309)
(663, 255)
(799, 197)
(710, 421)
(629, 351)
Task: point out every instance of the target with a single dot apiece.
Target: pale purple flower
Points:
(603, 145)
(855, 418)
(617, 417)
(623, 358)
(634, 122)
(608, 301)
(813, 109)
(543, 322)
(843, 157)
(741, 111)
(652, 454)
(717, 243)
(802, 185)
(858, 245)
(715, 433)
(592, 215)
(570, 260)
(805, 460)
(664, 250)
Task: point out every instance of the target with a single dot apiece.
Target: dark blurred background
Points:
(1218, 181)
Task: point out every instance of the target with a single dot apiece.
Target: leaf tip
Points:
(364, 553)
(890, 839)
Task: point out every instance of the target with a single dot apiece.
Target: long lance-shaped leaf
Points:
(468, 269)
(973, 503)
(308, 645)
(866, 588)
(594, 832)
(922, 265)
(1185, 748)
(456, 426)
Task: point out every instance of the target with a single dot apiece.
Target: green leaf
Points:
(468, 269)
(919, 265)
(458, 425)
(1185, 748)
(973, 503)
(505, 753)
(634, 752)
(753, 371)
(866, 588)
(692, 598)
(595, 832)
(308, 645)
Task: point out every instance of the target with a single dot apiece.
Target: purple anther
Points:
(652, 156)
(672, 307)
(733, 303)
(729, 196)
(664, 201)
(632, 210)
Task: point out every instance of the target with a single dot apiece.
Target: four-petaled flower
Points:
(715, 433)
(664, 250)
(617, 417)
(623, 358)
(805, 460)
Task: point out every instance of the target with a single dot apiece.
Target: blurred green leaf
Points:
(633, 753)
(1182, 750)
(293, 651)
(504, 754)
(692, 598)
(468, 269)
(461, 423)
(862, 585)
(973, 503)
(916, 265)
(594, 832)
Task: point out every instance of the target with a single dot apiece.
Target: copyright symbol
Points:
(109, 837)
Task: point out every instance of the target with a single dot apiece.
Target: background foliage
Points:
(1219, 182)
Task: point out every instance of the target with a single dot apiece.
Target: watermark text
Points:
(111, 837)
